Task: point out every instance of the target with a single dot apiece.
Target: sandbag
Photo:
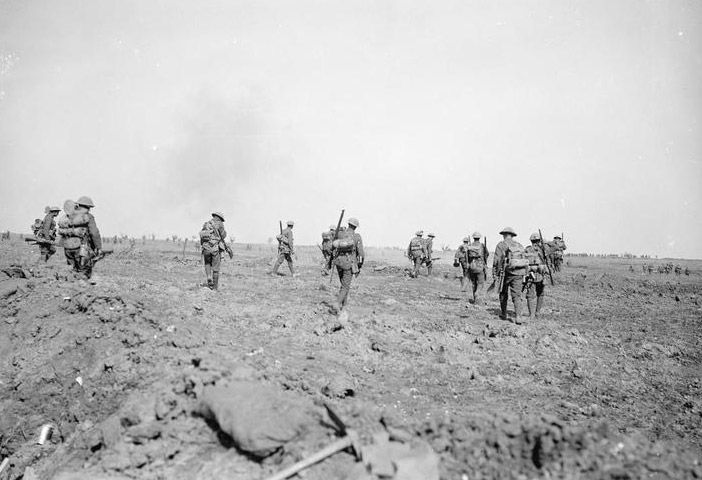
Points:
(259, 418)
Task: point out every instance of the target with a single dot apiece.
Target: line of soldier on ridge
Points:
(78, 235)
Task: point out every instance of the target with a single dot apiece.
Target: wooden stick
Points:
(312, 459)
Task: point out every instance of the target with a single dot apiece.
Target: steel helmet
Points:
(534, 237)
(509, 230)
(69, 206)
(431, 235)
(557, 237)
(332, 227)
(353, 222)
(218, 214)
(291, 223)
(476, 235)
(54, 209)
(466, 240)
(419, 233)
(85, 202)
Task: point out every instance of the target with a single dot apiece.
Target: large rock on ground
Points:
(259, 418)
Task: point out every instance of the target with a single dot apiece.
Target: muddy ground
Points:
(607, 384)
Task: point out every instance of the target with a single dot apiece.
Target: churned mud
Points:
(607, 384)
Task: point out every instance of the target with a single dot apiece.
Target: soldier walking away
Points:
(47, 234)
(510, 265)
(650, 269)
(327, 238)
(286, 248)
(82, 242)
(416, 252)
(347, 251)
(678, 269)
(212, 244)
(535, 278)
(477, 266)
(687, 271)
(558, 246)
(461, 259)
(429, 247)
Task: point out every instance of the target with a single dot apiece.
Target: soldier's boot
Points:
(215, 281)
(539, 304)
(517, 311)
(276, 266)
(503, 307)
(290, 266)
(530, 307)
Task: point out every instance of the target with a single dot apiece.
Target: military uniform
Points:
(461, 259)
(82, 241)
(286, 249)
(417, 252)
(477, 257)
(348, 258)
(36, 226)
(537, 268)
(212, 236)
(510, 260)
(558, 246)
(327, 238)
(48, 234)
(429, 247)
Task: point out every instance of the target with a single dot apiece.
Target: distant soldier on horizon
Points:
(678, 269)
(286, 249)
(47, 233)
(416, 252)
(510, 265)
(212, 243)
(348, 256)
(558, 246)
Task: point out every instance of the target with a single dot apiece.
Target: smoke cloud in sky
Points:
(574, 117)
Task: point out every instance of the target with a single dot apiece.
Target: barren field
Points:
(607, 384)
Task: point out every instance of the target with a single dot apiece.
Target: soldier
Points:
(650, 269)
(348, 256)
(461, 259)
(687, 270)
(559, 247)
(416, 252)
(477, 256)
(81, 238)
(48, 234)
(510, 262)
(212, 243)
(678, 269)
(644, 268)
(286, 249)
(429, 247)
(327, 238)
(535, 277)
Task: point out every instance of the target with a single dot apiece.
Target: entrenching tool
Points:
(350, 439)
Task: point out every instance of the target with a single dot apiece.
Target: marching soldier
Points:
(510, 264)
(535, 277)
(559, 247)
(286, 248)
(327, 238)
(461, 259)
(348, 257)
(416, 252)
(212, 243)
(429, 247)
(47, 233)
(81, 238)
(477, 255)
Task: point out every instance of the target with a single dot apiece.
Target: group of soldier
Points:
(666, 269)
(77, 233)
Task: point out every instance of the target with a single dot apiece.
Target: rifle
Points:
(227, 248)
(528, 280)
(543, 250)
(38, 240)
(485, 267)
(336, 235)
(280, 226)
(102, 254)
(320, 248)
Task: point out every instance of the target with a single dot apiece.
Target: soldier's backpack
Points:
(516, 257)
(416, 245)
(344, 245)
(475, 258)
(207, 233)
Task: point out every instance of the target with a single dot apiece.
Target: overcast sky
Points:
(574, 116)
